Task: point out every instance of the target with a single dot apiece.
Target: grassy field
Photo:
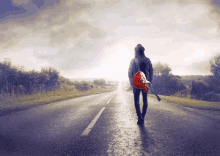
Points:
(188, 102)
(27, 101)
(185, 101)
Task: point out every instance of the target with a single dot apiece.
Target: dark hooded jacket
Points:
(144, 64)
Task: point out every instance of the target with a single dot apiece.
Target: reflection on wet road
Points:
(56, 129)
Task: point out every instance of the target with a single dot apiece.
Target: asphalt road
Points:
(106, 124)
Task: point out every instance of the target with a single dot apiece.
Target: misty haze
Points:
(64, 77)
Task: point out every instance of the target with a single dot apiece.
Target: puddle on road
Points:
(127, 138)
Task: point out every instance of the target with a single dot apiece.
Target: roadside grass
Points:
(12, 102)
(188, 102)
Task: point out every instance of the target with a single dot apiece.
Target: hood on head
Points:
(139, 50)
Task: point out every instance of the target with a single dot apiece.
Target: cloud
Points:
(67, 20)
(58, 17)
(37, 20)
(77, 34)
(200, 67)
(59, 26)
(195, 55)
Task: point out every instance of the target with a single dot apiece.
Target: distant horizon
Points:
(110, 79)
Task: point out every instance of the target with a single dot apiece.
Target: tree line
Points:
(18, 81)
(209, 88)
(206, 88)
(15, 80)
(84, 86)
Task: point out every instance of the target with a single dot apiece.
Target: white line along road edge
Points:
(91, 125)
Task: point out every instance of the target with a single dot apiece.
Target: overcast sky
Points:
(83, 38)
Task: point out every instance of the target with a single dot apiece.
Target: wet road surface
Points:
(110, 122)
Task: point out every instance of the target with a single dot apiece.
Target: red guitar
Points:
(141, 82)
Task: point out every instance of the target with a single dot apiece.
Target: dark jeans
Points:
(137, 104)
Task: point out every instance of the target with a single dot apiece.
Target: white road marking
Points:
(109, 100)
(91, 125)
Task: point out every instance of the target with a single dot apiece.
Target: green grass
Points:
(10, 102)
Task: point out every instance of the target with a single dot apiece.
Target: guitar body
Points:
(140, 81)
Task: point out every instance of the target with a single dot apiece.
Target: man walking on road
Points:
(145, 66)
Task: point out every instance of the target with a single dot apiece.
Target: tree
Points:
(164, 82)
(161, 69)
(173, 84)
(53, 75)
(168, 84)
(8, 75)
(215, 65)
(199, 89)
(214, 80)
(11, 80)
(25, 81)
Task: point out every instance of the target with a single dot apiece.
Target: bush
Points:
(199, 89)
(211, 96)
(83, 86)
(167, 85)
(100, 82)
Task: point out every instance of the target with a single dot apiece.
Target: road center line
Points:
(91, 125)
(109, 100)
